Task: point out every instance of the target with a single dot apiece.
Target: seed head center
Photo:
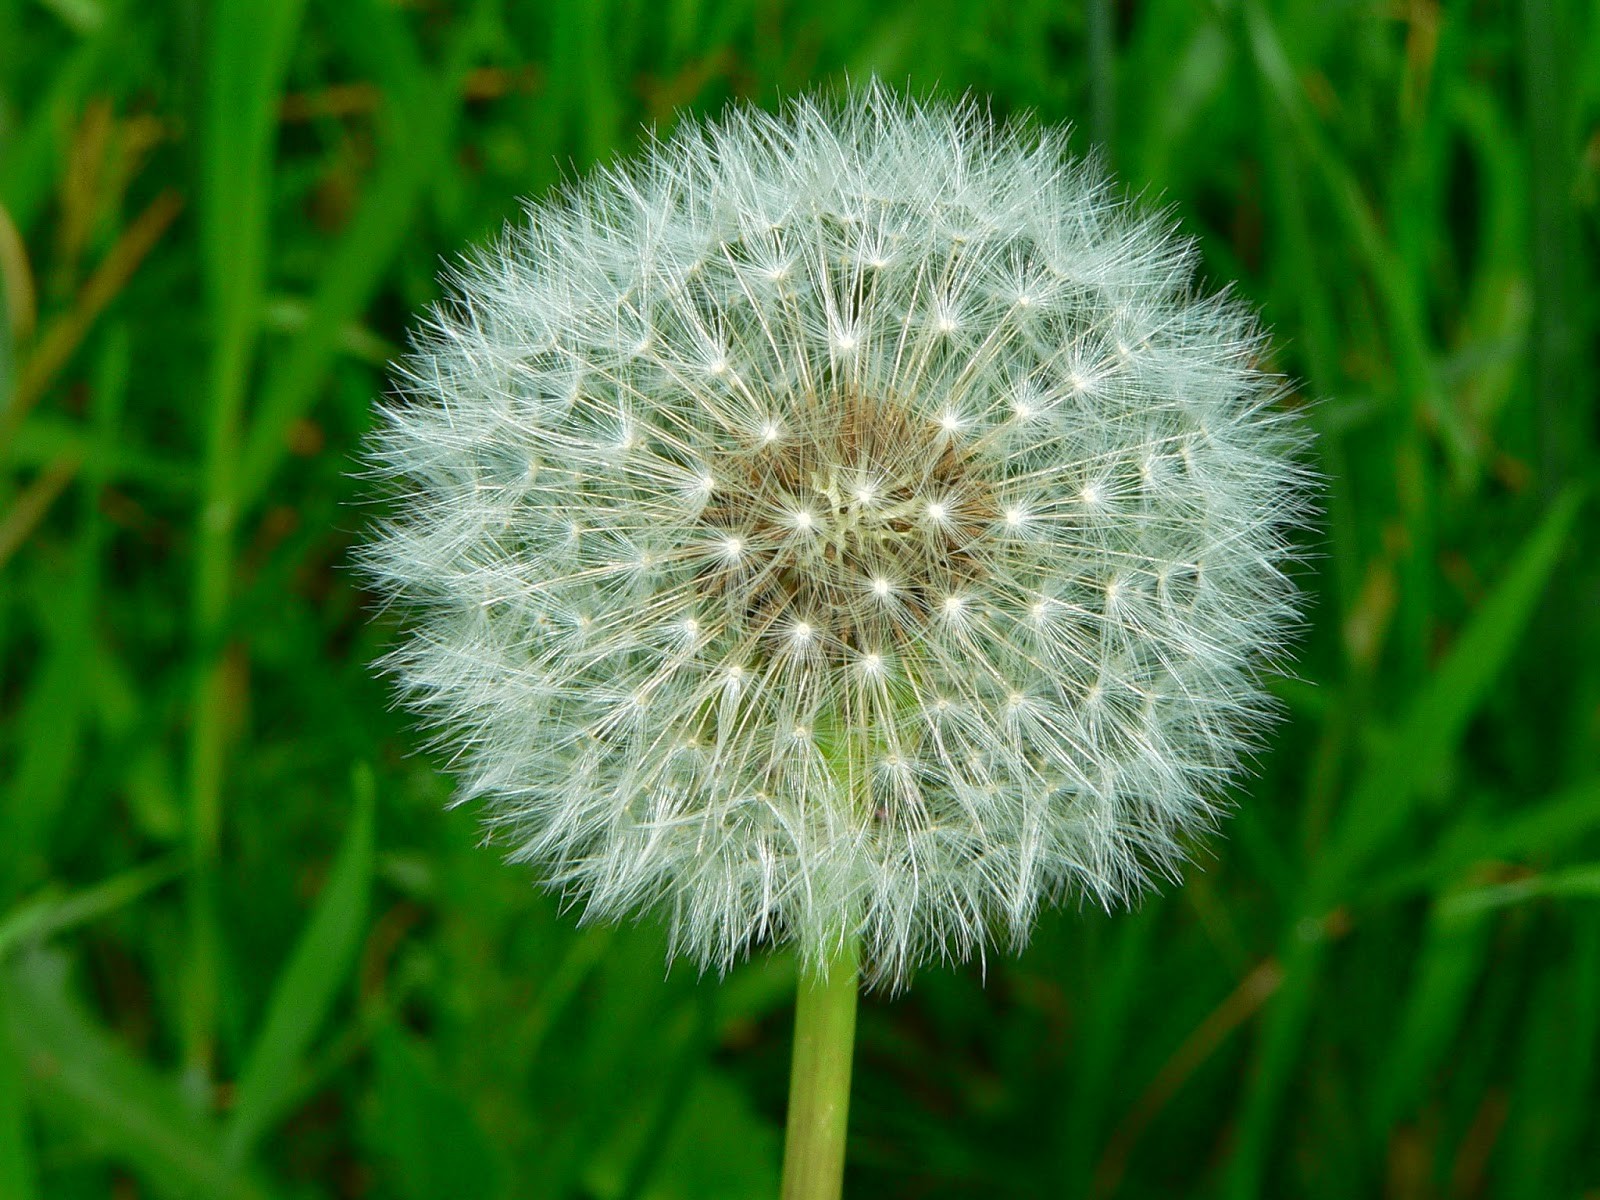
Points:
(857, 523)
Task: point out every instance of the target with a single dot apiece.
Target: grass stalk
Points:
(252, 41)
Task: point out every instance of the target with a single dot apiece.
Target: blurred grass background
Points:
(245, 953)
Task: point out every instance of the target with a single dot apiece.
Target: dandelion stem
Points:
(819, 1081)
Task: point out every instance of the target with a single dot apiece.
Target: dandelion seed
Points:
(888, 383)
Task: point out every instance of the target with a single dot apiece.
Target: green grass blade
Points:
(89, 1080)
(1381, 804)
(1397, 294)
(1432, 727)
(1550, 1138)
(17, 1172)
(248, 60)
(1559, 363)
(1540, 827)
(355, 267)
(51, 725)
(1580, 882)
(1435, 720)
(1091, 1106)
(1102, 78)
(305, 991)
(48, 916)
(8, 342)
(424, 1131)
(423, 110)
(1452, 957)
(585, 35)
(30, 155)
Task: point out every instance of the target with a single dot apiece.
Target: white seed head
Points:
(903, 545)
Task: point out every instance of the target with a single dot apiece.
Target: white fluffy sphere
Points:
(849, 522)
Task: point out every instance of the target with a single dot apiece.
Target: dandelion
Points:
(848, 529)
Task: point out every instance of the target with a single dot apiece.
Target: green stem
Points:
(819, 1081)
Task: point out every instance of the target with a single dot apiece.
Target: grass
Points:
(245, 952)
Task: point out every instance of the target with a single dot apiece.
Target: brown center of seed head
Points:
(858, 519)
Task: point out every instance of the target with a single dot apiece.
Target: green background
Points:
(244, 950)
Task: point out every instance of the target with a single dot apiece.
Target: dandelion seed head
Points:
(845, 521)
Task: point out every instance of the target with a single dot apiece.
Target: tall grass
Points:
(243, 954)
